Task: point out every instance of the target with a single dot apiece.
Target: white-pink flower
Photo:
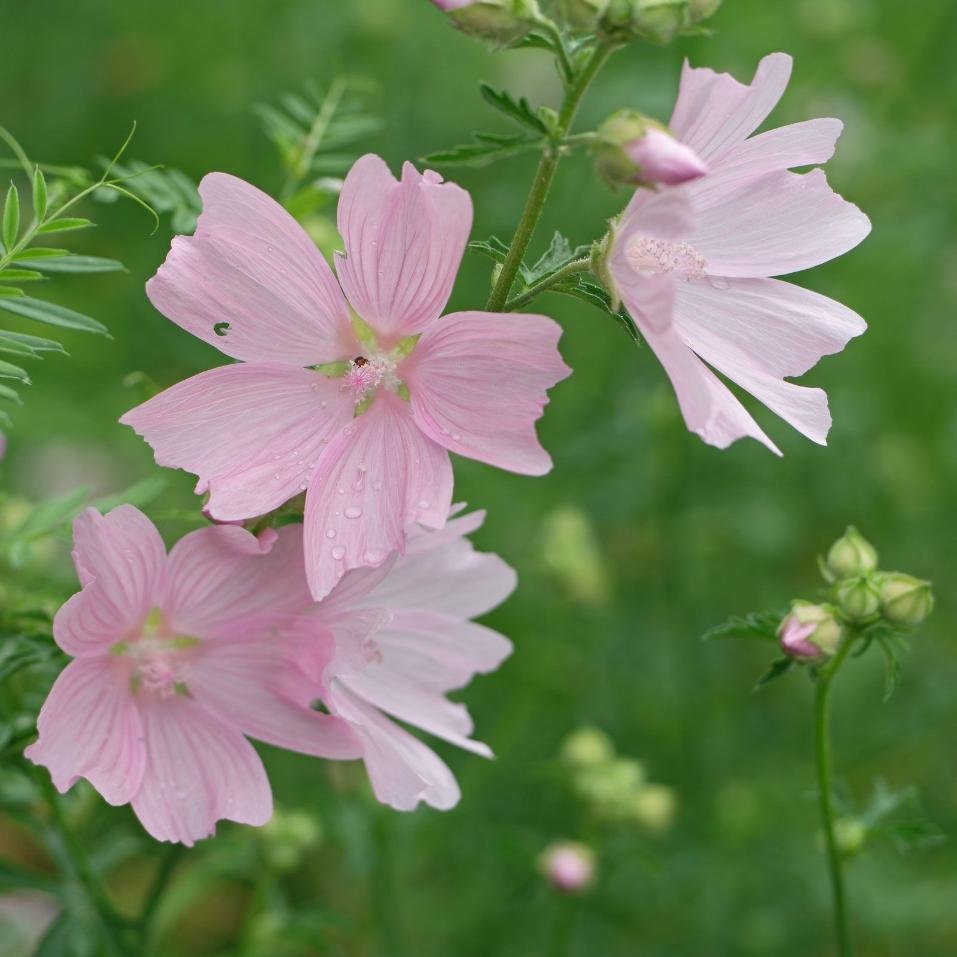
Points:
(393, 640)
(370, 446)
(176, 657)
(693, 263)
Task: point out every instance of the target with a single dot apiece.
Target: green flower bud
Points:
(850, 834)
(582, 15)
(905, 600)
(653, 807)
(660, 21)
(499, 22)
(810, 632)
(851, 555)
(859, 597)
(699, 10)
(587, 747)
(609, 789)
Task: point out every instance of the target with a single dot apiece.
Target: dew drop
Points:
(338, 552)
(330, 533)
(719, 282)
(423, 503)
(456, 437)
(353, 511)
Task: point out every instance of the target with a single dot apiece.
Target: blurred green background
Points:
(640, 539)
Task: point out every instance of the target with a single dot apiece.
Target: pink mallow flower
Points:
(174, 660)
(369, 447)
(692, 263)
(392, 641)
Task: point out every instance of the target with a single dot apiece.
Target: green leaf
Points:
(38, 252)
(52, 314)
(21, 275)
(488, 148)
(66, 262)
(64, 225)
(778, 667)
(39, 195)
(23, 344)
(9, 371)
(520, 111)
(11, 217)
(10, 291)
(139, 494)
(587, 290)
(559, 253)
(762, 626)
(49, 516)
(493, 247)
(10, 394)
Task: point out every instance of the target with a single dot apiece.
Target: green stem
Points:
(314, 139)
(544, 176)
(569, 269)
(160, 882)
(822, 737)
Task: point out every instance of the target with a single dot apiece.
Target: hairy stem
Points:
(544, 176)
(822, 737)
(569, 269)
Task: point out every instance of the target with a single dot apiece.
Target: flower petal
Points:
(198, 772)
(90, 727)
(121, 562)
(251, 265)
(778, 224)
(404, 242)
(402, 770)
(251, 432)
(223, 574)
(378, 476)
(478, 383)
(714, 112)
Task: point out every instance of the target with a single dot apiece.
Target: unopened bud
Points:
(609, 788)
(581, 14)
(850, 835)
(632, 149)
(653, 807)
(810, 632)
(859, 597)
(568, 866)
(587, 747)
(659, 21)
(905, 600)
(851, 555)
(499, 22)
(699, 10)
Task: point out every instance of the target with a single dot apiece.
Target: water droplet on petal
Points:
(353, 511)
(423, 503)
(330, 533)
(338, 552)
(719, 282)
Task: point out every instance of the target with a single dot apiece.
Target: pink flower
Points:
(174, 660)
(569, 866)
(392, 641)
(663, 159)
(692, 263)
(370, 446)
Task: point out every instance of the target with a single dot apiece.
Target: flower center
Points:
(365, 374)
(659, 257)
(160, 659)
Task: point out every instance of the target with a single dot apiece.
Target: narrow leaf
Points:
(489, 148)
(11, 394)
(38, 252)
(52, 314)
(64, 262)
(34, 344)
(11, 217)
(39, 194)
(762, 626)
(518, 110)
(779, 667)
(10, 291)
(21, 275)
(64, 225)
(9, 371)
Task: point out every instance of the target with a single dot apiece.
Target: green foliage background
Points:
(679, 535)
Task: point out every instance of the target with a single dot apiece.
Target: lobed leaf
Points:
(520, 111)
(762, 626)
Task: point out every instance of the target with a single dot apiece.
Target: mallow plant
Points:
(327, 602)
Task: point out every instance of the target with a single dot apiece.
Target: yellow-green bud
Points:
(859, 597)
(850, 834)
(699, 10)
(581, 14)
(653, 807)
(905, 600)
(587, 747)
(659, 21)
(851, 555)
(499, 22)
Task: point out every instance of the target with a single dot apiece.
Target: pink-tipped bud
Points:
(568, 866)
(810, 632)
(634, 150)
(499, 22)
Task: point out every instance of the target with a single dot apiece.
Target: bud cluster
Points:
(862, 595)
(615, 789)
(658, 21)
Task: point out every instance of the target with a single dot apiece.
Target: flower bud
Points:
(810, 632)
(582, 15)
(653, 807)
(635, 150)
(500, 22)
(859, 597)
(608, 789)
(587, 747)
(850, 835)
(699, 10)
(905, 600)
(568, 866)
(851, 555)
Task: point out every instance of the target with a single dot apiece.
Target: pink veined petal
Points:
(402, 770)
(443, 573)
(709, 408)
(800, 144)
(198, 771)
(121, 562)
(378, 476)
(238, 677)
(222, 574)
(250, 432)
(90, 727)
(663, 159)
(714, 112)
(778, 224)
(251, 265)
(478, 384)
(661, 214)
(404, 242)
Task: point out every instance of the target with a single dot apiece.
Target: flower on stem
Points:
(859, 598)
(499, 22)
(394, 640)
(810, 633)
(851, 555)
(632, 149)
(581, 15)
(569, 866)
(657, 21)
(693, 263)
(174, 660)
(360, 413)
(905, 600)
